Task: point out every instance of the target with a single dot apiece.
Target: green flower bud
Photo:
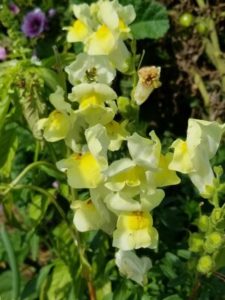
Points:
(217, 215)
(205, 264)
(213, 241)
(195, 242)
(123, 104)
(218, 170)
(203, 223)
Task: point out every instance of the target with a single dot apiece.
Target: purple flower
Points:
(3, 53)
(34, 23)
(14, 8)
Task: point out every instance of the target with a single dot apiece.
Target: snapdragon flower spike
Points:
(102, 28)
(133, 267)
(135, 230)
(92, 99)
(90, 68)
(148, 80)
(58, 123)
(34, 23)
(193, 156)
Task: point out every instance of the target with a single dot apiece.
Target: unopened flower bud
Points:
(213, 242)
(195, 242)
(205, 264)
(147, 82)
(203, 223)
(217, 215)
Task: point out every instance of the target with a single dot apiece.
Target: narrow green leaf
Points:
(60, 285)
(12, 262)
(8, 146)
(50, 78)
(4, 99)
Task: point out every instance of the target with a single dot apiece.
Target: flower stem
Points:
(24, 172)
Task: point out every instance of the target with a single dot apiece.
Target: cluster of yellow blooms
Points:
(122, 193)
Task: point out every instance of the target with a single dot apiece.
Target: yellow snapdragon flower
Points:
(58, 123)
(193, 156)
(83, 170)
(134, 231)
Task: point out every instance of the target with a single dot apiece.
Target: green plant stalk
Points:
(216, 59)
(12, 262)
(212, 46)
(45, 193)
(37, 149)
(201, 3)
(24, 172)
(201, 87)
(86, 267)
(60, 68)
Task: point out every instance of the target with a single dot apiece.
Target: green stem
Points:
(37, 149)
(212, 46)
(216, 59)
(201, 3)
(60, 68)
(43, 192)
(86, 267)
(201, 87)
(24, 172)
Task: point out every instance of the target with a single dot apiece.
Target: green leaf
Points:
(61, 280)
(4, 98)
(8, 146)
(173, 297)
(6, 282)
(32, 99)
(151, 21)
(53, 172)
(50, 78)
(12, 262)
(37, 207)
(220, 259)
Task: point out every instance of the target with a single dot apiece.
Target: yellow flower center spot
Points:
(89, 101)
(79, 29)
(56, 118)
(183, 147)
(88, 164)
(137, 221)
(123, 27)
(103, 32)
